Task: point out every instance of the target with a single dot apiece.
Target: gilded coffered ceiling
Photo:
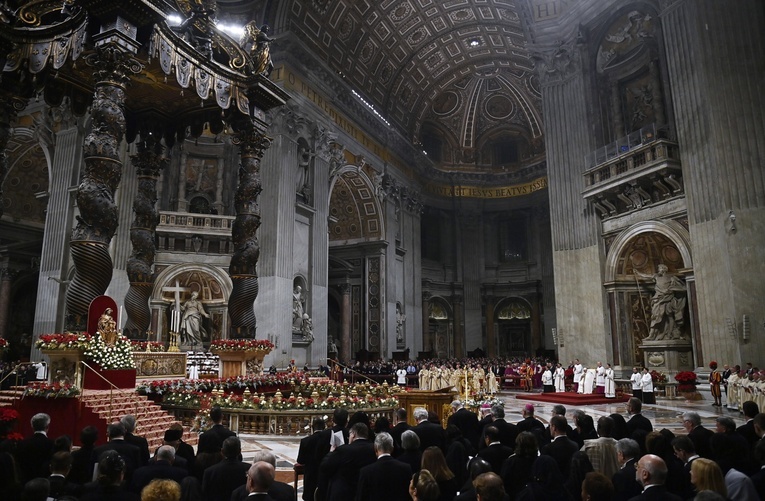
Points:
(460, 67)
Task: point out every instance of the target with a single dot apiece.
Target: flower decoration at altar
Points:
(110, 356)
(687, 381)
(54, 390)
(4, 345)
(152, 346)
(65, 341)
(262, 345)
(658, 377)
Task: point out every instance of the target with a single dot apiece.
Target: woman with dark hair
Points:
(111, 473)
(580, 467)
(516, 470)
(434, 461)
(359, 417)
(546, 482)
(423, 487)
(381, 425)
(620, 427)
(659, 443)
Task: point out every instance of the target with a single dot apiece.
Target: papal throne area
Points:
(272, 207)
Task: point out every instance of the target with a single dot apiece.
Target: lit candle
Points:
(119, 320)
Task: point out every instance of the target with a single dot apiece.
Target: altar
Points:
(160, 365)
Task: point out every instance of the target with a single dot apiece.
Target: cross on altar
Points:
(176, 318)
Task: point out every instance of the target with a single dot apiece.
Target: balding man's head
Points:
(651, 470)
(265, 456)
(260, 476)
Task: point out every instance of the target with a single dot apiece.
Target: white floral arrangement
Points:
(491, 402)
(117, 356)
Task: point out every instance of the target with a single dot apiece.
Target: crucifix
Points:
(175, 324)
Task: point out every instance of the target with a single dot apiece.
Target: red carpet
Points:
(569, 398)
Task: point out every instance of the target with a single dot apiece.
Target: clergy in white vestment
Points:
(578, 373)
(610, 383)
(589, 381)
(600, 379)
(560, 379)
(581, 385)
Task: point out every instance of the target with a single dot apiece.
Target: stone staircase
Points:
(9, 397)
(151, 420)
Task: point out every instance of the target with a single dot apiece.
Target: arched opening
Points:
(357, 261)
(440, 332)
(650, 286)
(513, 317)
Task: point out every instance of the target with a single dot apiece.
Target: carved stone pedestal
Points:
(668, 356)
(64, 366)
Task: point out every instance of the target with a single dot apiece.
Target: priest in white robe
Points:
(610, 382)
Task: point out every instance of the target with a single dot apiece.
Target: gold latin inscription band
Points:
(487, 192)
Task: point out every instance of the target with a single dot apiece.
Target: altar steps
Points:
(151, 420)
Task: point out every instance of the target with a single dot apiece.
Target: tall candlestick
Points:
(119, 320)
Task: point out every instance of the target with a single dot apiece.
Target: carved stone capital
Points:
(344, 289)
(323, 137)
(558, 63)
(289, 119)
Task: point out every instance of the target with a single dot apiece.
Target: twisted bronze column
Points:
(149, 162)
(252, 144)
(97, 220)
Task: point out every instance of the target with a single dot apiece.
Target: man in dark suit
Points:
(507, 431)
(279, 491)
(128, 421)
(307, 456)
(34, 452)
(211, 441)
(340, 421)
(466, 421)
(529, 422)
(339, 472)
(626, 485)
(637, 421)
(386, 479)
(561, 448)
(699, 435)
(129, 452)
(400, 427)
(260, 476)
(221, 479)
(60, 486)
(495, 452)
(429, 433)
(82, 467)
(651, 472)
(162, 467)
(685, 451)
(184, 453)
(746, 430)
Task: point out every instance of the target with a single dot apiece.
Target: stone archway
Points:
(634, 255)
(213, 287)
(513, 317)
(356, 238)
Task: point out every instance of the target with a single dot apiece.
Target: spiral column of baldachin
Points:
(252, 144)
(97, 220)
(148, 162)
